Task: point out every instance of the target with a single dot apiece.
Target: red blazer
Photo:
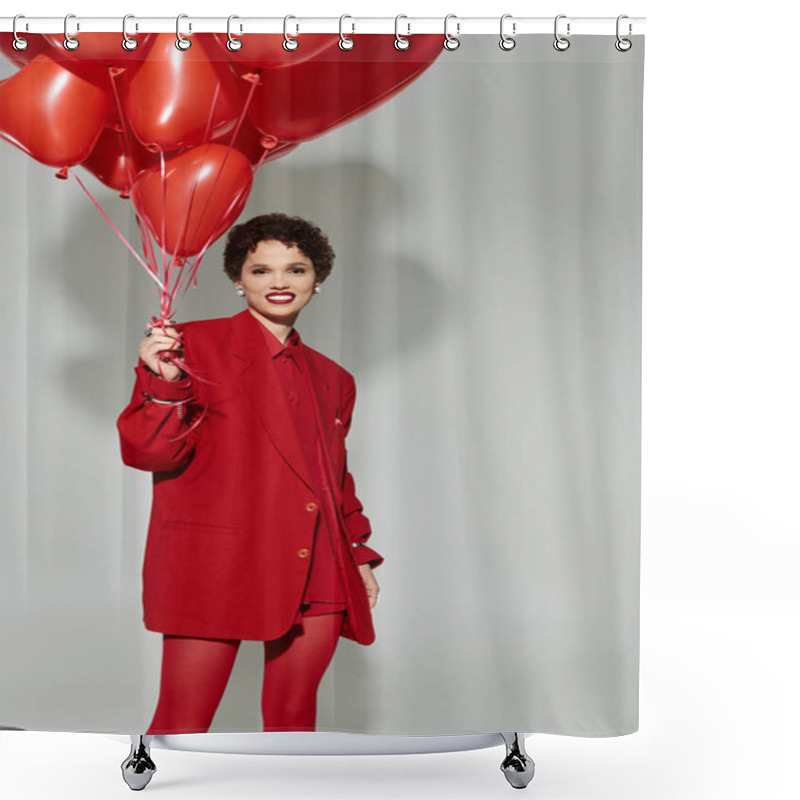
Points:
(234, 508)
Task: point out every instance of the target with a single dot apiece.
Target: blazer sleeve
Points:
(357, 525)
(155, 436)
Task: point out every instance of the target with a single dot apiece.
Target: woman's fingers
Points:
(157, 348)
(156, 343)
(370, 584)
(157, 332)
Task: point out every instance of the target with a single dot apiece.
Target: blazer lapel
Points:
(324, 407)
(257, 374)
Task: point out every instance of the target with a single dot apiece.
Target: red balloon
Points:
(116, 159)
(51, 113)
(299, 101)
(206, 188)
(179, 98)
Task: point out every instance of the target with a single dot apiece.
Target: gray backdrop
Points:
(487, 297)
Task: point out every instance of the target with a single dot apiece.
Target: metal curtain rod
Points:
(515, 26)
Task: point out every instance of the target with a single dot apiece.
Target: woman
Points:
(255, 530)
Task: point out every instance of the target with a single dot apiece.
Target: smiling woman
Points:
(502, 470)
(255, 531)
(277, 281)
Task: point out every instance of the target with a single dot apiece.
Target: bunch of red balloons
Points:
(181, 132)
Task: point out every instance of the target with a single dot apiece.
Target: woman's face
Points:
(278, 281)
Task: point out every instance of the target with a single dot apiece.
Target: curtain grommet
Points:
(181, 42)
(400, 42)
(290, 44)
(451, 42)
(128, 42)
(233, 44)
(507, 42)
(70, 42)
(560, 43)
(622, 44)
(19, 44)
(345, 42)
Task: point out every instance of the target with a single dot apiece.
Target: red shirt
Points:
(324, 593)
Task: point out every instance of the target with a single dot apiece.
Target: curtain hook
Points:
(289, 43)
(451, 42)
(345, 42)
(70, 42)
(128, 42)
(181, 42)
(561, 43)
(507, 42)
(623, 45)
(400, 42)
(233, 44)
(19, 43)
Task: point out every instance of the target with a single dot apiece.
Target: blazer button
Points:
(303, 553)
(311, 507)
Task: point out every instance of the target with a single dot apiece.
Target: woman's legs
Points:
(194, 673)
(293, 668)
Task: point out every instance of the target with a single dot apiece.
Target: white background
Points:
(720, 527)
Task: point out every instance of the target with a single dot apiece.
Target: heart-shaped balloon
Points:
(201, 193)
(51, 113)
(117, 158)
(179, 98)
(301, 100)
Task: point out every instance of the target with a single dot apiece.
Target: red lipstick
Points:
(280, 297)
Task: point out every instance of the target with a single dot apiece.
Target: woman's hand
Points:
(370, 584)
(160, 340)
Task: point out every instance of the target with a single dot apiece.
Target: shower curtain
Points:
(485, 209)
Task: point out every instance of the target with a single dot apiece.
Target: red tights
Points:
(195, 672)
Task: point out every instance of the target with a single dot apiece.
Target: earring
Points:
(240, 291)
(316, 289)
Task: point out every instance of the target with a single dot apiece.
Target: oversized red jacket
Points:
(234, 504)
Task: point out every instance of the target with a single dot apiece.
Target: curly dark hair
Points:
(292, 231)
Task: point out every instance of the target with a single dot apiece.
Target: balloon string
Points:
(167, 355)
(165, 304)
(239, 121)
(165, 296)
(147, 244)
(171, 356)
(230, 207)
(177, 282)
(193, 425)
(170, 282)
(200, 255)
(192, 280)
(209, 120)
(260, 160)
(119, 233)
(125, 131)
(211, 113)
(245, 107)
